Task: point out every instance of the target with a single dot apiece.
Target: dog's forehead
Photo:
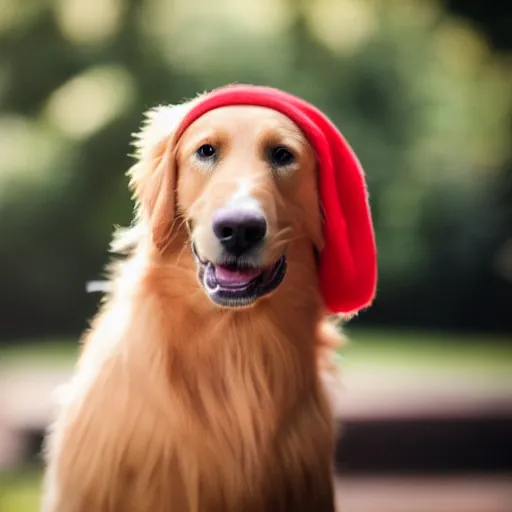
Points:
(248, 118)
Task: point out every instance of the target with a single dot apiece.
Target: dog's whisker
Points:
(186, 245)
(288, 240)
(177, 224)
(284, 232)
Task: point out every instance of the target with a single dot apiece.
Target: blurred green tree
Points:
(421, 98)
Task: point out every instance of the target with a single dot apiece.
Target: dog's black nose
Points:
(239, 230)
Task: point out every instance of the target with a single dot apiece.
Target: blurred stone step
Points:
(466, 493)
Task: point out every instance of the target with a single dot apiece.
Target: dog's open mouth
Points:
(233, 285)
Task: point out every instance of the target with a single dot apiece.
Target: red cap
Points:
(348, 261)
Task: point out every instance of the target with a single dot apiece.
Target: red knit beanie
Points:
(348, 263)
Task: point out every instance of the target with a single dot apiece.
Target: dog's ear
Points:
(153, 178)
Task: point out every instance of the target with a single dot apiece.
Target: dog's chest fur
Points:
(210, 426)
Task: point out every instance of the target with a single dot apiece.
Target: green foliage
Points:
(419, 96)
(20, 491)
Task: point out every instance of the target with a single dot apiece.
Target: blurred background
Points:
(422, 90)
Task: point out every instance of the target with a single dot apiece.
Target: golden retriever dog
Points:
(202, 384)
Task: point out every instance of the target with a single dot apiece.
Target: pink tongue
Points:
(239, 277)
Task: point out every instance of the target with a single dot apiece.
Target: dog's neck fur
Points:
(236, 376)
(266, 336)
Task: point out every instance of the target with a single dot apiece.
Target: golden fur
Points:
(178, 405)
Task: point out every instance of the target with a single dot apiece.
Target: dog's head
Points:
(241, 181)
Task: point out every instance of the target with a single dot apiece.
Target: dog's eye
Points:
(281, 157)
(206, 151)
